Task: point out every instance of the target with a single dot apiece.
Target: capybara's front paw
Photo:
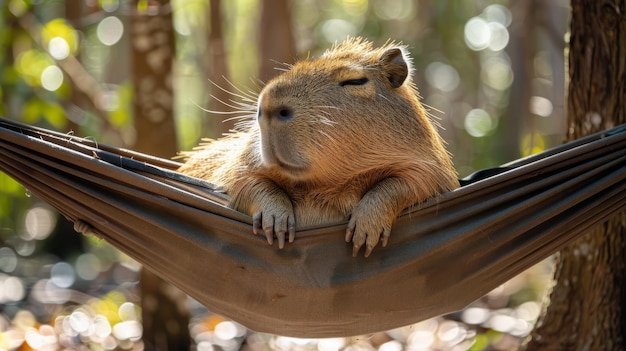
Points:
(275, 219)
(368, 227)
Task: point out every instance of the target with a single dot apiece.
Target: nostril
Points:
(285, 113)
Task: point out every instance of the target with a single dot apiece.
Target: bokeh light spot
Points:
(499, 36)
(226, 330)
(39, 223)
(24, 247)
(8, 260)
(498, 13)
(528, 311)
(129, 330)
(62, 275)
(331, 344)
(355, 8)
(128, 312)
(451, 332)
(88, 266)
(110, 30)
(30, 64)
(24, 319)
(80, 321)
(496, 73)
(110, 5)
(477, 34)
(392, 345)
(442, 76)
(478, 123)
(481, 33)
(11, 289)
(502, 323)
(393, 10)
(540, 106)
(475, 315)
(205, 346)
(58, 48)
(102, 327)
(337, 29)
(51, 78)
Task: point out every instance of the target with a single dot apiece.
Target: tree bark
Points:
(586, 310)
(152, 58)
(276, 45)
(522, 49)
(164, 310)
(216, 70)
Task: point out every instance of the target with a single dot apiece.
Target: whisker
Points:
(326, 135)
(211, 111)
(384, 97)
(287, 66)
(231, 104)
(246, 96)
(428, 108)
(327, 107)
(239, 118)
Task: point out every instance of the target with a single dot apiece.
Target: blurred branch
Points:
(86, 85)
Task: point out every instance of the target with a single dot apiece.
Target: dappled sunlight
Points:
(490, 75)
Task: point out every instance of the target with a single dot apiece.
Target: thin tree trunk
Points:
(276, 45)
(521, 48)
(216, 68)
(586, 310)
(164, 311)
(152, 59)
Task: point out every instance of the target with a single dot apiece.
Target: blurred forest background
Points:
(144, 74)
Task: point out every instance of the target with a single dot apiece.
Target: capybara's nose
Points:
(282, 113)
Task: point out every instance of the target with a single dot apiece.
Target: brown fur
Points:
(327, 146)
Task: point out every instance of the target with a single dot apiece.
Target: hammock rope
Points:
(442, 254)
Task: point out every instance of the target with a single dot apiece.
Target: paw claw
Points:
(281, 239)
(275, 222)
(257, 227)
(367, 228)
(269, 235)
(349, 234)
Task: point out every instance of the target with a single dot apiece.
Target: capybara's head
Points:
(352, 110)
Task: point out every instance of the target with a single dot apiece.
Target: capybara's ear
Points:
(394, 66)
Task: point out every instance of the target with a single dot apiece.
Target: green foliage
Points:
(30, 64)
(36, 109)
(60, 29)
(120, 115)
(19, 7)
(11, 193)
(473, 85)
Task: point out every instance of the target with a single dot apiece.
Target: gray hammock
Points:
(442, 254)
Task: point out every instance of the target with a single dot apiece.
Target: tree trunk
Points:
(216, 70)
(522, 49)
(276, 45)
(164, 311)
(586, 310)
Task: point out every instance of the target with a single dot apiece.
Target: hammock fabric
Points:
(442, 255)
